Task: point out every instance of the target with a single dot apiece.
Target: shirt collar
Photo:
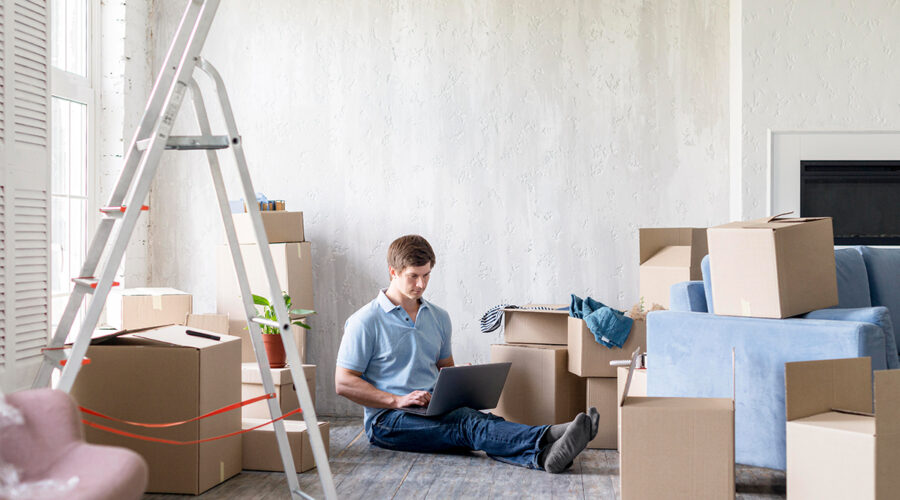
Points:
(388, 306)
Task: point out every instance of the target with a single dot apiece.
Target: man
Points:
(390, 356)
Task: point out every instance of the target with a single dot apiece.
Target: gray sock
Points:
(555, 432)
(595, 420)
(559, 455)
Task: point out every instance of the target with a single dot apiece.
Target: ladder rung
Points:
(90, 283)
(118, 212)
(267, 322)
(191, 142)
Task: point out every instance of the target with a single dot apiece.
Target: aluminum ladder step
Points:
(191, 142)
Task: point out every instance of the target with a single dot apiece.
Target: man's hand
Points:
(415, 398)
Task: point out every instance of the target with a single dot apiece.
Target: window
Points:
(72, 54)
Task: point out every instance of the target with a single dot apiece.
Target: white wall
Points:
(814, 65)
(528, 141)
(125, 83)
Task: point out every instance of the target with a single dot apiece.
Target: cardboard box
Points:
(523, 326)
(539, 389)
(669, 255)
(601, 393)
(135, 308)
(293, 266)
(260, 449)
(251, 387)
(281, 227)
(165, 375)
(676, 448)
(217, 323)
(638, 388)
(772, 267)
(837, 448)
(587, 358)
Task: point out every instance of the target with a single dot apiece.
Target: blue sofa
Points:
(689, 347)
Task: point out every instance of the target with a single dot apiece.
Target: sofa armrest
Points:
(879, 316)
(689, 355)
(687, 296)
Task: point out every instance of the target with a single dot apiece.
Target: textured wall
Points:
(527, 140)
(125, 83)
(815, 65)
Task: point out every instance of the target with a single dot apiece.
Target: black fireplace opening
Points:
(861, 197)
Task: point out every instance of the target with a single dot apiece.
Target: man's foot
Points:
(559, 455)
(595, 420)
(554, 433)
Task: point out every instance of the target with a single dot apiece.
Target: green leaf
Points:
(260, 301)
(301, 324)
(302, 312)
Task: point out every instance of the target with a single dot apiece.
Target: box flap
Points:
(813, 387)
(653, 239)
(176, 335)
(103, 335)
(150, 291)
(840, 421)
(887, 402)
(673, 256)
(887, 432)
(635, 356)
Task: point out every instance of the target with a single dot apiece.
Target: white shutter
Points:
(24, 190)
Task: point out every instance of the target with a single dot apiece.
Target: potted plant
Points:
(271, 339)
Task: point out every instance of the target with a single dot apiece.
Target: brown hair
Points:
(410, 250)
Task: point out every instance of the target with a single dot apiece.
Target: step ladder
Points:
(126, 203)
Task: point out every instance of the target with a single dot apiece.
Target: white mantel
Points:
(787, 148)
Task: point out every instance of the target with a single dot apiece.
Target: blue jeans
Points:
(461, 429)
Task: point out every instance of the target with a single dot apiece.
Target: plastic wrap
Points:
(11, 485)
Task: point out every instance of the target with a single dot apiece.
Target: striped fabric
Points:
(491, 320)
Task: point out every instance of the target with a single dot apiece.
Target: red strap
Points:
(173, 424)
(170, 441)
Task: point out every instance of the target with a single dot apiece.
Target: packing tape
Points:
(224, 409)
(745, 307)
(300, 251)
(157, 302)
(221, 471)
(183, 443)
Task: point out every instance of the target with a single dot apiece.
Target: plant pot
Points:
(274, 350)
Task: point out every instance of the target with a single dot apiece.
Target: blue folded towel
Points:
(609, 326)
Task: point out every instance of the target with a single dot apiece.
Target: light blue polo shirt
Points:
(392, 353)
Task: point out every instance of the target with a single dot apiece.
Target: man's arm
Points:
(349, 383)
(444, 363)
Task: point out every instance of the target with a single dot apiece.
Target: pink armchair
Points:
(50, 445)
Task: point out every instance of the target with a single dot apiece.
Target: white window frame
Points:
(84, 90)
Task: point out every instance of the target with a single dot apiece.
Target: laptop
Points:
(473, 386)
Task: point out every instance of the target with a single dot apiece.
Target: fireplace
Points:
(862, 197)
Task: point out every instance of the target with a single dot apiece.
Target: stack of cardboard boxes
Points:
(558, 370)
(539, 389)
(291, 254)
(591, 360)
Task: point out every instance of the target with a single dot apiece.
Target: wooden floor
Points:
(365, 471)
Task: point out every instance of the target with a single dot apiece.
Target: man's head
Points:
(410, 259)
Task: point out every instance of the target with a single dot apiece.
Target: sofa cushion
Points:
(707, 283)
(852, 279)
(883, 268)
(875, 315)
(687, 296)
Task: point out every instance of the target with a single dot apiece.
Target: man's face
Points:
(412, 280)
